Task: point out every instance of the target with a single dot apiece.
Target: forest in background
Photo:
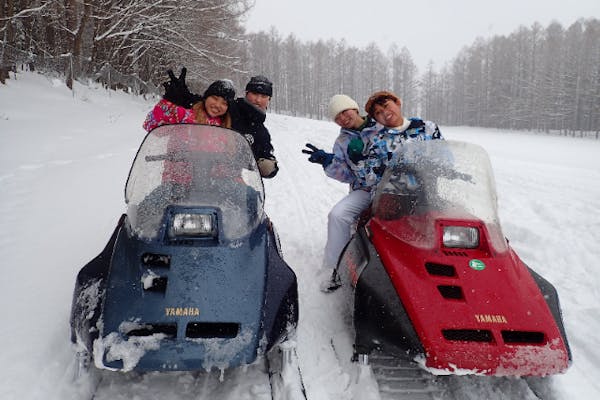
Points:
(537, 78)
(124, 43)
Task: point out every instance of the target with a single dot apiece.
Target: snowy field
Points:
(64, 159)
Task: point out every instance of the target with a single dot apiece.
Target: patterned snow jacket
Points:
(385, 148)
(342, 168)
(165, 113)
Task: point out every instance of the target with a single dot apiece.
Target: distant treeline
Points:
(535, 78)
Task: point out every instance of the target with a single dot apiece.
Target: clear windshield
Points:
(194, 166)
(447, 178)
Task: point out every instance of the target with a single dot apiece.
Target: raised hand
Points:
(318, 156)
(177, 92)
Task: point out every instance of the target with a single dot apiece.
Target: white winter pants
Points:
(339, 224)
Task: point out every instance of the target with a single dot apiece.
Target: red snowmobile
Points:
(434, 280)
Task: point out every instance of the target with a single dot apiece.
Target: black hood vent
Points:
(468, 335)
(440, 269)
(208, 330)
(523, 337)
(170, 330)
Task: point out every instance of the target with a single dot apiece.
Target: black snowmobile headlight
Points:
(464, 237)
(194, 225)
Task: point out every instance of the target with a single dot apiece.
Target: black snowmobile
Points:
(193, 276)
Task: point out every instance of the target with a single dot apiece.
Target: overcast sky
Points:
(430, 29)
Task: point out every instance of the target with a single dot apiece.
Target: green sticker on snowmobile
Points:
(477, 265)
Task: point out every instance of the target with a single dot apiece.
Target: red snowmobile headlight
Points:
(464, 237)
(197, 225)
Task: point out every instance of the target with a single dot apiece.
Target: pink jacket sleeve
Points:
(165, 112)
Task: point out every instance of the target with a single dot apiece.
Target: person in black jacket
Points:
(248, 115)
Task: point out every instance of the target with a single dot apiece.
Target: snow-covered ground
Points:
(64, 159)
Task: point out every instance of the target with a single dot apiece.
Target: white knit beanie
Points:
(339, 103)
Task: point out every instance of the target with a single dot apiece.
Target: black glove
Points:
(355, 149)
(318, 156)
(177, 92)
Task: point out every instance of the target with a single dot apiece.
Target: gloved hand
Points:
(355, 149)
(177, 92)
(267, 167)
(318, 156)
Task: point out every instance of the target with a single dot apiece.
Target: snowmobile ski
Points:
(284, 373)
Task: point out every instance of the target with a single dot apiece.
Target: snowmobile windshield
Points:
(449, 179)
(194, 166)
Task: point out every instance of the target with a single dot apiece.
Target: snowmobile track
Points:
(540, 387)
(399, 378)
(280, 369)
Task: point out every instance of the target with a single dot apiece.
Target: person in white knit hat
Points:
(355, 134)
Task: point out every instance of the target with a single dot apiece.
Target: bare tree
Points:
(536, 78)
(136, 37)
(404, 79)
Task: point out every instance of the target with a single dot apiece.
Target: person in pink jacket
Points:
(211, 109)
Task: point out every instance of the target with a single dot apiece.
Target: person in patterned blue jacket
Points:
(355, 133)
(385, 147)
